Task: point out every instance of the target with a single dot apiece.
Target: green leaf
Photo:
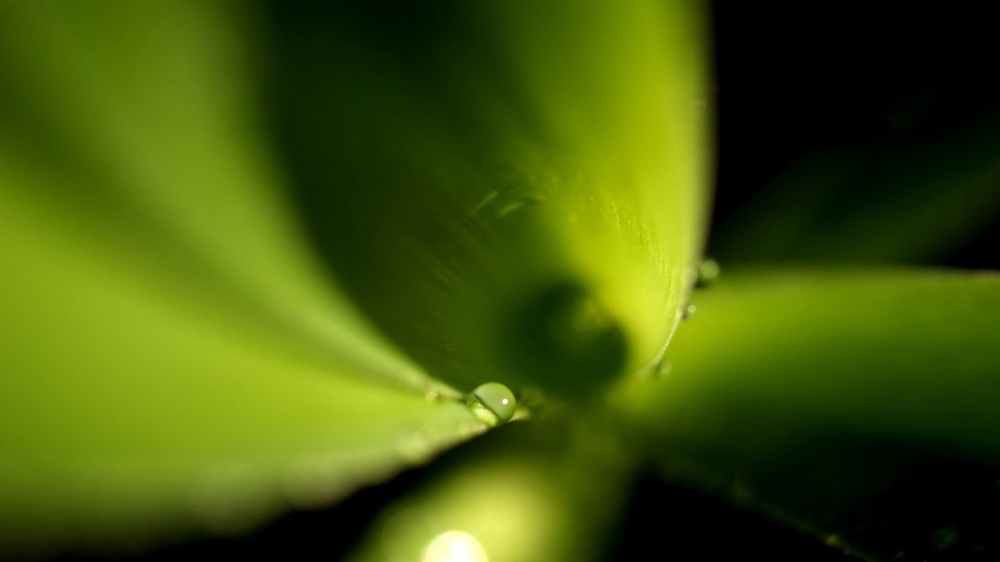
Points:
(803, 393)
(904, 203)
(173, 355)
(522, 494)
(141, 128)
(513, 191)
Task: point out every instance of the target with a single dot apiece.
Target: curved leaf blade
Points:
(520, 495)
(173, 356)
(465, 165)
(818, 395)
(141, 127)
(122, 390)
(873, 204)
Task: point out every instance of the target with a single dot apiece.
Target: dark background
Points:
(792, 79)
(799, 79)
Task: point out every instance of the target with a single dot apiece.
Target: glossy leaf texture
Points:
(513, 191)
(860, 406)
(173, 356)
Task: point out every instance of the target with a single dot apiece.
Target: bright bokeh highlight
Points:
(455, 546)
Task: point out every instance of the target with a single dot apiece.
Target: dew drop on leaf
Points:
(661, 369)
(493, 403)
(688, 312)
(658, 370)
(708, 272)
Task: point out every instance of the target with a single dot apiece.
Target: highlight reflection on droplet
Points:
(493, 403)
(455, 546)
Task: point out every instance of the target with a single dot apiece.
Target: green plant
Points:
(177, 359)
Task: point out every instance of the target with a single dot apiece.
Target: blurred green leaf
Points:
(138, 127)
(909, 202)
(808, 394)
(172, 354)
(530, 492)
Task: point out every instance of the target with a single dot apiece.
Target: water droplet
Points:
(662, 369)
(657, 370)
(455, 546)
(688, 312)
(493, 403)
(708, 272)
(432, 395)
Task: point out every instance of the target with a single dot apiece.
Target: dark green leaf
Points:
(816, 396)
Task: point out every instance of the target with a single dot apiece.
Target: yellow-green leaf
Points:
(524, 494)
(813, 394)
(513, 191)
(173, 357)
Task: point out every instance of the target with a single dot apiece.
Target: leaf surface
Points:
(844, 402)
(522, 494)
(173, 355)
(478, 172)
